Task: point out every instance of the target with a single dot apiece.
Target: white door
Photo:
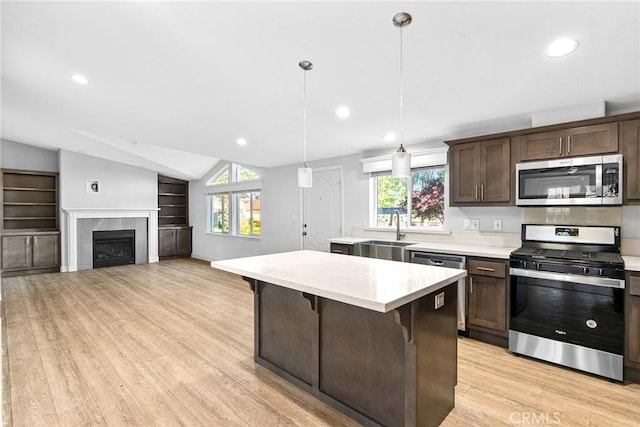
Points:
(322, 209)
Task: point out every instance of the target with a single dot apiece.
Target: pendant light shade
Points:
(305, 176)
(401, 159)
(401, 163)
(305, 173)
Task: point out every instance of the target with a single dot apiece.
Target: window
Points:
(419, 200)
(234, 203)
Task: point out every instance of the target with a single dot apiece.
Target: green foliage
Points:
(391, 191)
(245, 174)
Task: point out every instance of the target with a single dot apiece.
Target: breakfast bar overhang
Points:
(375, 339)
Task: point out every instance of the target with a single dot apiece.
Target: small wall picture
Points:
(93, 186)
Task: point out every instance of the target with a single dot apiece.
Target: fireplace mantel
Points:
(74, 214)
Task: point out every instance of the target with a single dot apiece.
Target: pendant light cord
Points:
(401, 93)
(304, 120)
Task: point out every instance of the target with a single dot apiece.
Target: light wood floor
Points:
(172, 344)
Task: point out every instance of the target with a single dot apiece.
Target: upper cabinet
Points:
(578, 141)
(630, 148)
(480, 173)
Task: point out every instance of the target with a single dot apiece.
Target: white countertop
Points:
(631, 263)
(369, 283)
(444, 248)
(464, 249)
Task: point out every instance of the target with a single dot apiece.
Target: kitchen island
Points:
(375, 339)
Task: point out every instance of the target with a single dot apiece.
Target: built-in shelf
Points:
(172, 194)
(28, 189)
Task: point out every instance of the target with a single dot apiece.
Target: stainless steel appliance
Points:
(567, 297)
(450, 261)
(593, 180)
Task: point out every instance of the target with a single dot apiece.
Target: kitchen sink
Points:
(380, 249)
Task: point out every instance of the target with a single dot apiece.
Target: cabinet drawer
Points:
(487, 268)
(634, 285)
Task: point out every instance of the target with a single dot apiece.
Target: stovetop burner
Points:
(570, 255)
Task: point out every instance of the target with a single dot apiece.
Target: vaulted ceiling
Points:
(173, 85)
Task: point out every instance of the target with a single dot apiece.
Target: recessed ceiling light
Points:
(241, 141)
(80, 79)
(343, 112)
(389, 136)
(561, 47)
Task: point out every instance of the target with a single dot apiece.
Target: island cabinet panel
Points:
(630, 147)
(578, 141)
(350, 362)
(481, 173)
(382, 369)
(286, 326)
(632, 321)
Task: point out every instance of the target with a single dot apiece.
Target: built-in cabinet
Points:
(481, 172)
(578, 141)
(174, 232)
(487, 288)
(630, 148)
(30, 234)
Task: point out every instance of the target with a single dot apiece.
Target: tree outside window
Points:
(422, 195)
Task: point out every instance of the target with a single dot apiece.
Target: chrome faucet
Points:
(398, 234)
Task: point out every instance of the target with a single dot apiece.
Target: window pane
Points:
(427, 198)
(391, 196)
(245, 174)
(255, 208)
(223, 178)
(220, 213)
(249, 213)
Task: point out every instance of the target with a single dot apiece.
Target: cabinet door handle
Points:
(337, 251)
(470, 285)
(482, 192)
(560, 146)
(485, 269)
(476, 191)
(569, 144)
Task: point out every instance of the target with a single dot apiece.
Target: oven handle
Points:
(573, 278)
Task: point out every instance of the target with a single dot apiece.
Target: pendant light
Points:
(401, 159)
(305, 173)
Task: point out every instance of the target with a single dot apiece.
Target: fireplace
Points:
(114, 247)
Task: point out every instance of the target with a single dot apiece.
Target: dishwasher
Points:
(450, 261)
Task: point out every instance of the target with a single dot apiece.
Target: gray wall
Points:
(14, 155)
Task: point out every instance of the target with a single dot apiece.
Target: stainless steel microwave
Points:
(591, 181)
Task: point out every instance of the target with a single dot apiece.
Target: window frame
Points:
(233, 189)
(373, 200)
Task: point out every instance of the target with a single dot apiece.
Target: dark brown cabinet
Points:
(30, 235)
(29, 253)
(341, 248)
(630, 148)
(174, 241)
(632, 321)
(481, 173)
(487, 296)
(578, 141)
(174, 232)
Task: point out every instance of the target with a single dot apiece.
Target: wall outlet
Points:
(475, 224)
(439, 300)
(497, 225)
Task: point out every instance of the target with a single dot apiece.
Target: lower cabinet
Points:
(487, 296)
(174, 241)
(632, 321)
(341, 248)
(30, 253)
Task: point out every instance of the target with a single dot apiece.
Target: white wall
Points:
(121, 187)
(14, 155)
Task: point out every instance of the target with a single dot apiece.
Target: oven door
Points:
(582, 310)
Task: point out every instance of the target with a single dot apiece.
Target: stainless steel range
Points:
(567, 297)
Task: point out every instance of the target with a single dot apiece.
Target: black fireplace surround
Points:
(114, 247)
